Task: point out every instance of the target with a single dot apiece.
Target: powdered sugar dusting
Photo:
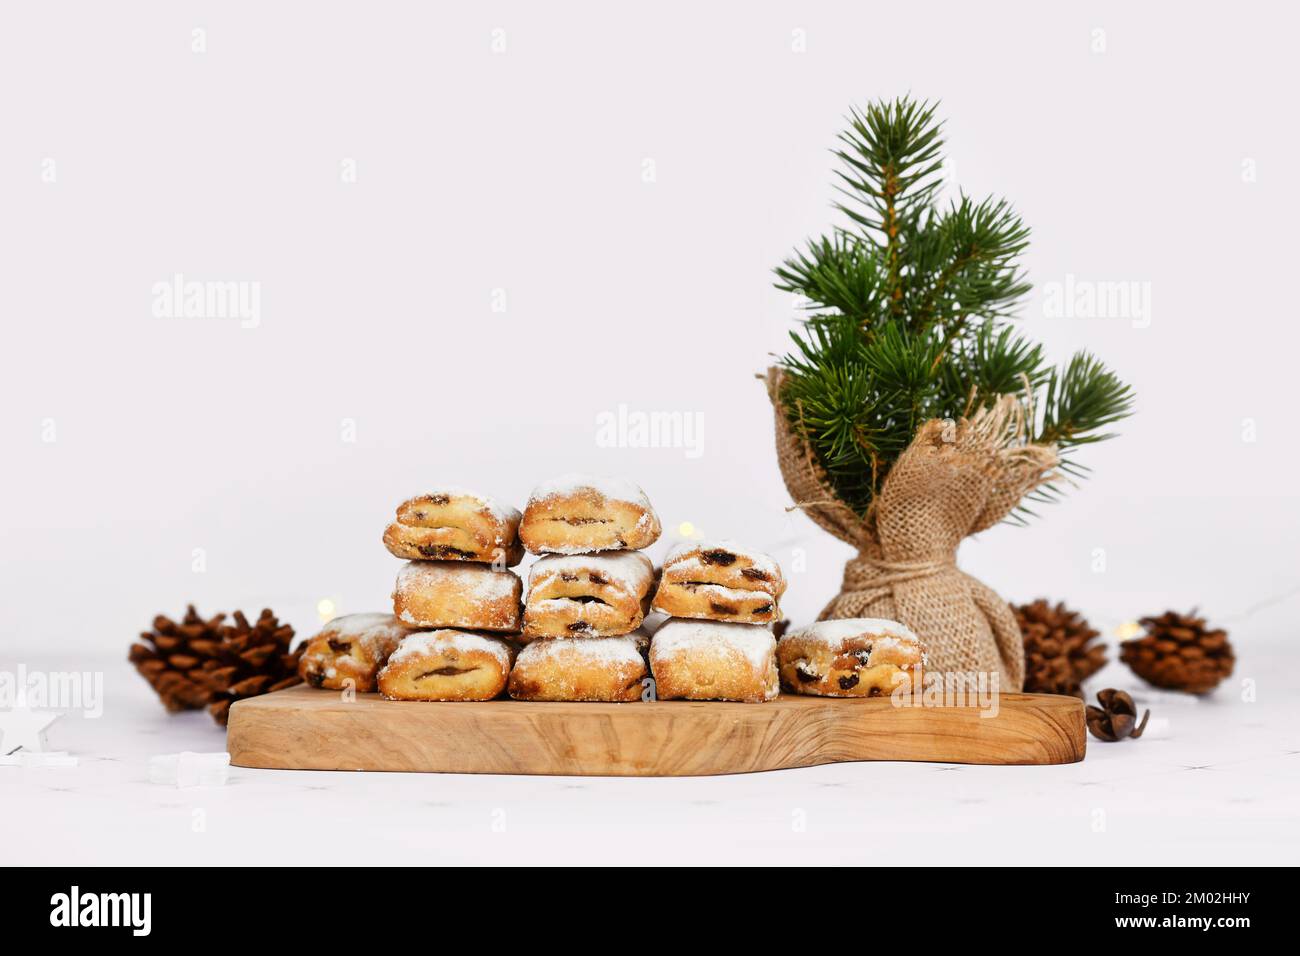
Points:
(478, 582)
(499, 511)
(892, 643)
(831, 633)
(678, 555)
(618, 489)
(631, 571)
(721, 592)
(681, 636)
(431, 642)
(375, 633)
(608, 651)
(570, 549)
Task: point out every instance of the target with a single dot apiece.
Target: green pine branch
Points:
(838, 272)
(908, 315)
(964, 264)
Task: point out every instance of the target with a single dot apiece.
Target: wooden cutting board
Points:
(307, 729)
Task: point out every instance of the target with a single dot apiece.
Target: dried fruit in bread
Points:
(447, 665)
(581, 669)
(591, 595)
(351, 649)
(455, 525)
(578, 514)
(720, 581)
(853, 657)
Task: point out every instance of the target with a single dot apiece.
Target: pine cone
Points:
(199, 663)
(1178, 652)
(254, 659)
(1116, 718)
(172, 659)
(1059, 653)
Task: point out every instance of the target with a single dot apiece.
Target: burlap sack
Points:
(955, 479)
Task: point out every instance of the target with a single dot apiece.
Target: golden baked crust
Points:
(351, 648)
(457, 594)
(590, 595)
(712, 660)
(447, 665)
(720, 581)
(855, 657)
(581, 669)
(578, 514)
(455, 525)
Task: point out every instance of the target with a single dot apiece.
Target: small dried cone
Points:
(172, 656)
(207, 663)
(1179, 652)
(1059, 650)
(253, 659)
(1116, 718)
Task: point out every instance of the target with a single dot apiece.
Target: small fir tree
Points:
(910, 307)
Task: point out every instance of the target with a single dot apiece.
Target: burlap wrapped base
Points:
(955, 479)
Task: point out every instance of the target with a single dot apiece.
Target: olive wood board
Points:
(302, 728)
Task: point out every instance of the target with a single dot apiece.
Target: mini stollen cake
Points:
(457, 594)
(854, 657)
(578, 514)
(581, 669)
(713, 660)
(593, 595)
(351, 648)
(451, 524)
(447, 665)
(720, 581)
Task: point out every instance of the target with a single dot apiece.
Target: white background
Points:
(1149, 144)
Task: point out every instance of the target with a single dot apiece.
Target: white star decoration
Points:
(24, 728)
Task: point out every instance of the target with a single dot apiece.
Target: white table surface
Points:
(1214, 781)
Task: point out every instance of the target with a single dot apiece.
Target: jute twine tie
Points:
(873, 578)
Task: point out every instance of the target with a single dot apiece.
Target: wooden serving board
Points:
(306, 729)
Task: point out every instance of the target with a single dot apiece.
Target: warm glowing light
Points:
(1129, 630)
(686, 530)
(325, 608)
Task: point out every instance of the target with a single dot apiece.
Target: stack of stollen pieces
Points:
(458, 590)
(455, 606)
(588, 592)
(718, 643)
(458, 620)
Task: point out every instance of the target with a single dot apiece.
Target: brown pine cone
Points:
(1179, 652)
(207, 663)
(171, 658)
(1116, 718)
(1059, 653)
(253, 659)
